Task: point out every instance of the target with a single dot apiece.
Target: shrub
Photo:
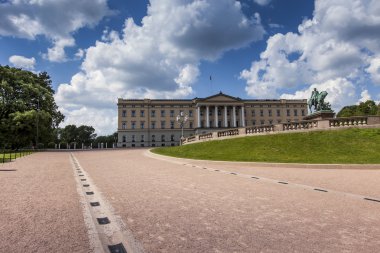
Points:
(51, 145)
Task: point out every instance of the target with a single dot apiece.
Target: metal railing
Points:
(9, 155)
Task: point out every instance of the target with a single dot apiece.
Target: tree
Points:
(26, 104)
(109, 139)
(364, 108)
(82, 134)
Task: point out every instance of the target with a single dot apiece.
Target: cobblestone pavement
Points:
(39, 208)
(172, 207)
(178, 205)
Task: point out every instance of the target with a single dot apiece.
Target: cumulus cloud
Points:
(364, 96)
(262, 2)
(340, 92)
(374, 70)
(22, 62)
(338, 43)
(159, 58)
(56, 20)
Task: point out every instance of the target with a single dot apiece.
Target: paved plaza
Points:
(159, 204)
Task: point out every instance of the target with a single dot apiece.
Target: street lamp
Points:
(182, 119)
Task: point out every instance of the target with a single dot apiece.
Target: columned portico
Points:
(207, 117)
(225, 117)
(242, 117)
(199, 116)
(216, 116)
(234, 116)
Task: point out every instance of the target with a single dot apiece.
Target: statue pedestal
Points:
(320, 115)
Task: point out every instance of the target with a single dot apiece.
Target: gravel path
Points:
(170, 207)
(40, 210)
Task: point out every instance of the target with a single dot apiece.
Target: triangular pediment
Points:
(220, 97)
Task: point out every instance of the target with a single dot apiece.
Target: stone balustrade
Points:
(259, 129)
(306, 125)
(352, 121)
(229, 132)
(205, 136)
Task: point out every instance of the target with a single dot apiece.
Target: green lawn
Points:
(344, 146)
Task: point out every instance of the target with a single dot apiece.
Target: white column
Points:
(234, 116)
(199, 116)
(216, 116)
(207, 117)
(242, 116)
(225, 116)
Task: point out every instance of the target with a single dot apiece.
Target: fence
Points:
(9, 155)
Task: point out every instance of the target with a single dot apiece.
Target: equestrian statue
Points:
(317, 99)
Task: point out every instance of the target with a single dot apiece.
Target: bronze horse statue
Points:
(318, 101)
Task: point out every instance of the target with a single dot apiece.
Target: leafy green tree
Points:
(26, 104)
(82, 134)
(109, 139)
(364, 108)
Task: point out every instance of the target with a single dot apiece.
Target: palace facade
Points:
(152, 122)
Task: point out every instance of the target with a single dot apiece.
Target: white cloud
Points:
(262, 2)
(22, 62)
(160, 58)
(374, 70)
(56, 20)
(364, 96)
(338, 43)
(340, 92)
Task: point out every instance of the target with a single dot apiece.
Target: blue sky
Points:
(97, 50)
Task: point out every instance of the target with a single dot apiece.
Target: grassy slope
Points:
(344, 146)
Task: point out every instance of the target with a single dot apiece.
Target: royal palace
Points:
(152, 122)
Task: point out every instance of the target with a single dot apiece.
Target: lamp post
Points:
(182, 119)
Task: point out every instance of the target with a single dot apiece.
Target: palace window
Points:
(270, 113)
(171, 113)
(133, 113)
(153, 125)
(153, 138)
(190, 113)
(262, 113)
(278, 113)
(288, 112)
(254, 122)
(133, 138)
(142, 113)
(142, 123)
(253, 113)
(153, 113)
(163, 137)
(191, 124)
(172, 137)
(295, 112)
(124, 138)
(124, 114)
(171, 124)
(124, 125)
(303, 112)
(162, 124)
(162, 113)
(142, 138)
(133, 126)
